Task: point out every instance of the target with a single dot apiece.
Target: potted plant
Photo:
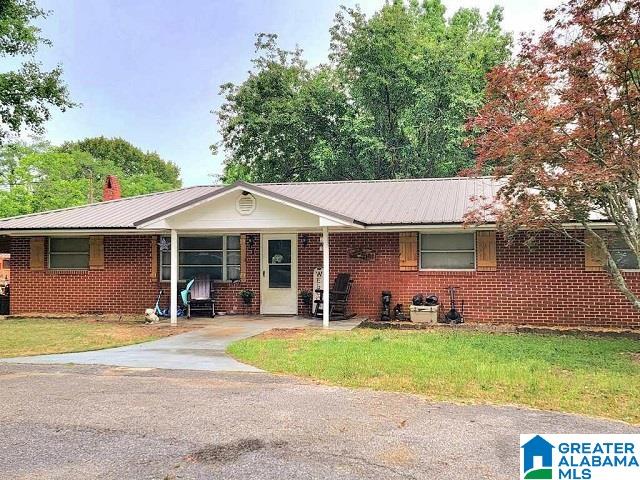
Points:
(247, 296)
(307, 298)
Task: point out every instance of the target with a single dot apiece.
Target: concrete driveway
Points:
(89, 422)
(200, 349)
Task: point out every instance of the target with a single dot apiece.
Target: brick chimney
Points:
(111, 190)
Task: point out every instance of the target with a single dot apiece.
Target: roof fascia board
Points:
(77, 232)
(478, 227)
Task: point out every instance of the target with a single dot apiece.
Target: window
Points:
(447, 251)
(216, 256)
(622, 254)
(69, 253)
(6, 264)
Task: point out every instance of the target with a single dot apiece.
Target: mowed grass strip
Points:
(588, 375)
(41, 336)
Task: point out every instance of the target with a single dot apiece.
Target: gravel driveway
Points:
(82, 422)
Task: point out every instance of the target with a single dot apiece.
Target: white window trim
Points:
(475, 254)
(224, 264)
(87, 253)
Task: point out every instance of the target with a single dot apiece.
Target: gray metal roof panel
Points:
(410, 201)
(120, 213)
(384, 202)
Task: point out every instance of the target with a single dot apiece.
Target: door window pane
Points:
(279, 251)
(279, 276)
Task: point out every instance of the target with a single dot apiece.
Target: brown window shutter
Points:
(96, 253)
(36, 253)
(155, 260)
(408, 251)
(243, 258)
(486, 251)
(594, 257)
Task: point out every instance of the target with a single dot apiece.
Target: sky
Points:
(149, 71)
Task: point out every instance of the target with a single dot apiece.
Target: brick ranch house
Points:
(405, 236)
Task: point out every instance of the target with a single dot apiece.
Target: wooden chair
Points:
(200, 295)
(338, 299)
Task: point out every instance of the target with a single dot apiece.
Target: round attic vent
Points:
(246, 204)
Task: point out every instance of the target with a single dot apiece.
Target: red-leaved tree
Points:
(561, 128)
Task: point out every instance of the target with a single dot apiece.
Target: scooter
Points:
(454, 315)
(165, 312)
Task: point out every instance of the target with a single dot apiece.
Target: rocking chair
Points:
(338, 299)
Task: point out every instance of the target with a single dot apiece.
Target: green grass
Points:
(39, 336)
(593, 376)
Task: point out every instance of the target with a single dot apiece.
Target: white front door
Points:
(279, 274)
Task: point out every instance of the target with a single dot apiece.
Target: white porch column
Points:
(174, 277)
(325, 277)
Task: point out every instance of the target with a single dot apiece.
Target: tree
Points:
(287, 122)
(26, 94)
(392, 103)
(420, 76)
(140, 172)
(561, 128)
(39, 177)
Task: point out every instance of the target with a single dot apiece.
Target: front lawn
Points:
(35, 336)
(593, 376)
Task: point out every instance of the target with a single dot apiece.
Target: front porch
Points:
(244, 238)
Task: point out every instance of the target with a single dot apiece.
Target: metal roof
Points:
(380, 202)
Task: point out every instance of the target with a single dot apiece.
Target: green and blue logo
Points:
(537, 459)
(580, 457)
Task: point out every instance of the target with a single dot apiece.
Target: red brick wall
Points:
(124, 286)
(544, 285)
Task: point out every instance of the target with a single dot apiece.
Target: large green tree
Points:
(287, 122)
(140, 172)
(392, 103)
(27, 93)
(39, 177)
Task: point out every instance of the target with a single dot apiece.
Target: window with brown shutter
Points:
(408, 251)
(243, 258)
(486, 250)
(594, 257)
(36, 253)
(154, 258)
(96, 253)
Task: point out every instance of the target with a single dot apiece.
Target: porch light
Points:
(305, 240)
(250, 241)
